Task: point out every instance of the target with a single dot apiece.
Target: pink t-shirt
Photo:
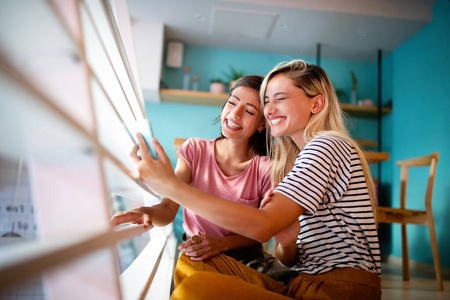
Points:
(247, 187)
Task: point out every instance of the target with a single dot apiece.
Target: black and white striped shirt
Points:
(337, 228)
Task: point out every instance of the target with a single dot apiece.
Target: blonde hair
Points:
(313, 81)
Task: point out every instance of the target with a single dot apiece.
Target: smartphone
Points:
(145, 128)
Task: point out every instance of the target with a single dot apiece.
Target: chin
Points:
(275, 133)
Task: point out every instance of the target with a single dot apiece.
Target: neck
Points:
(299, 141)
(232, 150)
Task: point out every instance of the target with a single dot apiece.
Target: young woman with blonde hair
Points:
(320, 213)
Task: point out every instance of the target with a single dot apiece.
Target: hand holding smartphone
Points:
(145, 128)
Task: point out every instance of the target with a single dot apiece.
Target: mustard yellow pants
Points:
(222, 277)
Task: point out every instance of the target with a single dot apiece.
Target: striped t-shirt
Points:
(337, 228)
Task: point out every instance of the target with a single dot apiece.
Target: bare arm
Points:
(160, 214)
(287, 251)
(258, 224)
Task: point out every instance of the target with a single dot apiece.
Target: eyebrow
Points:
(276, 94)
(249, 104)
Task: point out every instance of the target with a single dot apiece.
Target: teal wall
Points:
(210, 63)
(414, 77)
(171, 120)
(421, 104)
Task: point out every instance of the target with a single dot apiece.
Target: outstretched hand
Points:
(134, 216)
(156, 173)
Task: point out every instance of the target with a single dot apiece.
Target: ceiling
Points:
(345, 29)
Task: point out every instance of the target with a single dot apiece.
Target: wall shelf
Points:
(206, 98)
(363, 111)
(192, 97)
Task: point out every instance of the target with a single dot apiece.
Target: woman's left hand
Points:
(205, 249)
(267, 196)
(156, 173)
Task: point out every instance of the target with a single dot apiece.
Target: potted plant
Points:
(216, 86)
(341, 94)
(233, 75)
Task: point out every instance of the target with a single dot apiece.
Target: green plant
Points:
(234, 74)
(341, 94)
(216, 79)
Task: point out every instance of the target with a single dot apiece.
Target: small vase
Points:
(217, 88)
(195, 83)
(186, 78)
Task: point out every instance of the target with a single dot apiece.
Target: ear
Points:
(318, 104)
(263, 125)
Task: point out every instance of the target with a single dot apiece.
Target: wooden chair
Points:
(177, 142)
(405, 216)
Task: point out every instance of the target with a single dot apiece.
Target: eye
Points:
(280, 99)
(250, 113)
(231, 102)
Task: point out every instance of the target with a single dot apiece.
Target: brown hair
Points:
(258, 141)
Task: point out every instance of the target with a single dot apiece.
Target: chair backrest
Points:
(177, 142)
(429, 160)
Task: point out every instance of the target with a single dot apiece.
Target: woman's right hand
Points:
(139, 215)
(156, 173)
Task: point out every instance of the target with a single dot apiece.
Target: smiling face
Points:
(241, 116)
(287, 108)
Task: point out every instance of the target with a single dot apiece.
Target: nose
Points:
(268, 108)
(237, 112)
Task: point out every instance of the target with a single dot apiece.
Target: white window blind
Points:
(68, 103)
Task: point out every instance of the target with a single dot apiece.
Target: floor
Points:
(423, 284)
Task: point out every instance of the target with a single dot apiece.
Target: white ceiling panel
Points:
(346, 29)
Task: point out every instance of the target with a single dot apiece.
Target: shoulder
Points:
(197, 143)
(195, 149)
(330, 147)
(328, 141)
(328, 153)
(262, 163)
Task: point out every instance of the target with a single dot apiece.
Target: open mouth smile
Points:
(232, 125)
(277, 121)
